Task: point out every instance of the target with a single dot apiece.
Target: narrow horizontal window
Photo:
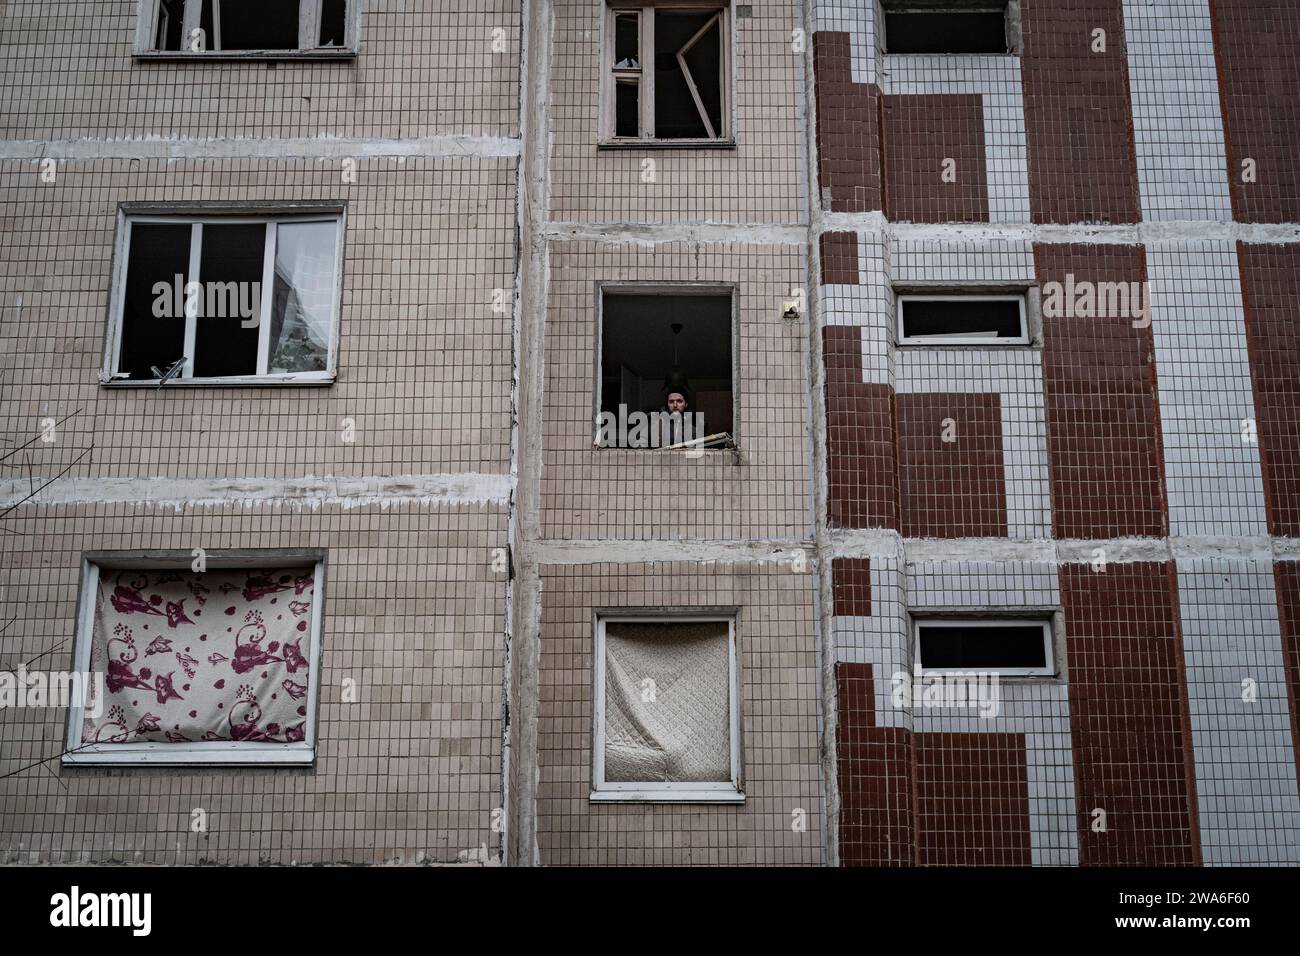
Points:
(665, 378)
(183, 666)
(667, 717)
(919, 28)
(667, 75)
(1007, 647)
(969, 319)
(197, 27)
(227, 299)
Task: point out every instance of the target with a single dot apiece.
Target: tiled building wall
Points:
(756, 181)
(410, 505)
(424, 70)
(424, 363)
(1126, 439)
(758, 490)
(408, 772)
(780, 689)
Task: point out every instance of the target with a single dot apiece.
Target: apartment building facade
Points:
(341, 347)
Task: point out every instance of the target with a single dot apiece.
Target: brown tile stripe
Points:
(920, 133)
(861, 455)
(848, 129)
(851, 586)
(1286, 579)
(875, 777)
(1078, 115)
(972, 799)
(1103, 422)
(839, 255)
(1270, 287)
(1257, 48)
(951, 489)
(1128, 715)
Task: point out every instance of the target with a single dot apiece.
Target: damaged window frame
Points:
(643, 77)
(1019, 295)
(1009, 9)
(652, 289)
(198, 752)
(218, 213)
(1040, 618)
(728, 791)
(151, 17)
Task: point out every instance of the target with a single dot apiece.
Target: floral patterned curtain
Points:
(221, 655)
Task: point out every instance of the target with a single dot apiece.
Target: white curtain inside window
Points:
(667, 702)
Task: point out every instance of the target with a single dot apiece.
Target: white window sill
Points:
(200, 753)
(666, 144)
(319, 378)
(667, 796)
(175, 56)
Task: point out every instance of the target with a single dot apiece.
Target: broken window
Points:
(1008, 647)
(948, 26)
(216, 666)
(227, 299)
(665, 378)
(667, 73)
(230, 26)
(667, 710)
(962, 319)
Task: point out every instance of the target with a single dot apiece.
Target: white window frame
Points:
(1011, 29)
(1019, 298)
(112, 375)
(199, 752)
(1049, 670)
(603, 791)
(644, 76)
(146, 40)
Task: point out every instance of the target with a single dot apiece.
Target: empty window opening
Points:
(666, 370)
(230, 26)
(962, 319)
(1008, 647)
(177, 689)
(234, 298)
(667, 74)
(946, 27)
(667, 716)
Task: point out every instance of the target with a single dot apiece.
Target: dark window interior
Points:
(334, 23)
(158, 253)
(932, 31)
(627, 49)
(981, 318)
(230, 253)
(676, 115)
(637, 347)
(258, 24)
(982, 648)
(627, 109)
(205, 24)
(171, 24)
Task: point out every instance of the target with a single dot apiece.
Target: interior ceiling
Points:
(637, 333)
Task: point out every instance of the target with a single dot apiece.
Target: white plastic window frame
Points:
(644, 75)
(720, 791)
(1010, 11)
(1049, 670)
(112, 375)
(147, 23)
(1019, 298)
(199, 752)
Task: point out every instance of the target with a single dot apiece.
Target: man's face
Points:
(676, 402)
